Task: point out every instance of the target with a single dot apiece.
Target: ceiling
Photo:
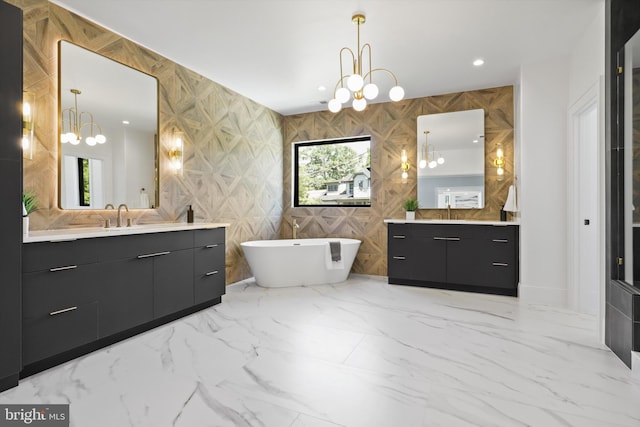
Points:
(278, 52)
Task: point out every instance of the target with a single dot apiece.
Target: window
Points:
(334, 172)
(84, 190)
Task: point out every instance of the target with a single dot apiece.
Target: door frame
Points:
(594, 96)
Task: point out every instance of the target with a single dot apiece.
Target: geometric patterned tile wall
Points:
(233, 146)
(392, 127)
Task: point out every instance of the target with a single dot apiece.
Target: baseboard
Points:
(542, 295)
(635, 365)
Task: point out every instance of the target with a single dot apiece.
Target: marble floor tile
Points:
(358, 353)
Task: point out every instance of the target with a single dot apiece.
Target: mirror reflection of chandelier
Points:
(74, 122)
(428, 155)
(359, 81)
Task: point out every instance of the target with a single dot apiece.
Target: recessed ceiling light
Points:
(478, 62)
(475, 141)
(322, 88)
(125, 122)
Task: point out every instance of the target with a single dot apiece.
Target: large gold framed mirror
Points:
(108, 132)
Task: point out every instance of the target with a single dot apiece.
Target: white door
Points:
(588, 218)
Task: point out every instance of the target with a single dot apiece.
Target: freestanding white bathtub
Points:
(281, 263)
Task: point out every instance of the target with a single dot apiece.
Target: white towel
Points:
(144, 200)
(511, 204)
(332, 265)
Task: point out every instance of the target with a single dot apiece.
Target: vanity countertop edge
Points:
(91, 232)
(450, 221)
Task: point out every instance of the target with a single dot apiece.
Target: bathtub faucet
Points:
(294, 228)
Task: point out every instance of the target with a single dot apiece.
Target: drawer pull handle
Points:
(154, 254)
(399, 236)
(500, 264)
(68, 267)
(64, 310)
(399, 257)
(500, 240)
(211, 273)
(211, 246)
(450, 239)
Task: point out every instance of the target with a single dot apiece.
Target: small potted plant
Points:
(410, 205)
(29, 204)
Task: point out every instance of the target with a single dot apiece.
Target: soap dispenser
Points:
(190, 215)
(503, 214)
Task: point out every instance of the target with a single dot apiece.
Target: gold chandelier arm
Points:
(368, 46)
(385, 70)
(353, 58)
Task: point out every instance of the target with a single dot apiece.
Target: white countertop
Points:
(450, 221)
(90, 232)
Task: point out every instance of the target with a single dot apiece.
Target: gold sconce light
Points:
(176, 152)
(499, 162)
(404, 166)
(28, 113)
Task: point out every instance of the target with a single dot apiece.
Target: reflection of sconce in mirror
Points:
(176, 152)
(499, 162)
(28, 110)
(428, 154)
(404, 166)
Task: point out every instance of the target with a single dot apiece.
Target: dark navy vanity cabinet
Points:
(83, 294)
(467, 257)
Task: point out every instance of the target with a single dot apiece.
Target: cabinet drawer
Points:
(209, 285)
(501, 233)
(209, 236)
(499, 274)
(48, 291)
(46, 255)
(50, 334)
(121, 247)
(209, 258)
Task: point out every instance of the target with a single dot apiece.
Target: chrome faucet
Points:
(294, 228)
(119, 220)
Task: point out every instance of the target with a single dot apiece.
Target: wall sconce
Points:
(404, 166)
(28, 110)
(499, 162)
(176, 152)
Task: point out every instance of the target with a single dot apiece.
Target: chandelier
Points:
(360, 86)
(76, 121)
(428, 155)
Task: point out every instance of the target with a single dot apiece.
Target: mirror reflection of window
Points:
(451, 160)
(84, 182)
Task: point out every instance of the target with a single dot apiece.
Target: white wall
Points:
(544, 95)
(587, 59)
